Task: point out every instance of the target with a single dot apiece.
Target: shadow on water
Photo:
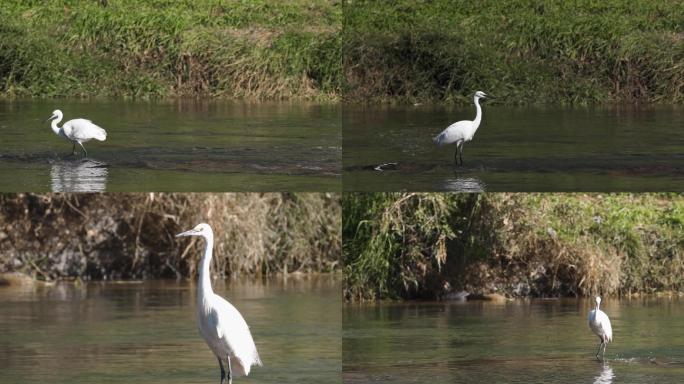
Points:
(196, 159)
(462, 179)
(673, 165)
(78, 176)
(519, 175)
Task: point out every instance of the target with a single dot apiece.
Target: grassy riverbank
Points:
(523, 51)
(421, 245)
(117, 236)
(261, 49)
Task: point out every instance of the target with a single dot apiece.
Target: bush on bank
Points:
(522, 51)
(422, 245)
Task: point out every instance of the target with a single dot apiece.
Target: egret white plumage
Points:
(76, 130)
(220, 324)
(462, 131)
(600, 325)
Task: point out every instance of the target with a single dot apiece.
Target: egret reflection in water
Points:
(605, 376)
(78, 176)
(462, 184)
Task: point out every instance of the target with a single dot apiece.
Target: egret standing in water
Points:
(76, 130)
(462, 131)
(600, 325)
(220, 324)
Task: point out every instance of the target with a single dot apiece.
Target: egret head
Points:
(598, 300)
(56, 114)
(202, 229)
(480, 95)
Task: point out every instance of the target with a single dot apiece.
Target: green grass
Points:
(256, 49)
(523, 51)
(420, 245)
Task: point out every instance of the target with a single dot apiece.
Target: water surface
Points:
(181, 145)
(621, 148)
(539, 341)
(145, 332)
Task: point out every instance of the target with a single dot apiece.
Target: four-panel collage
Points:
(341, 191)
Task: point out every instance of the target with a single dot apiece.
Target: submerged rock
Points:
(495, 297)
(15, 279)
(457, 296)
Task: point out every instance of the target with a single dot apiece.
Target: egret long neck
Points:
(205, 275)
(478, 115)
(54, 126)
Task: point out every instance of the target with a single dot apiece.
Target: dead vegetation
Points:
(114, 236)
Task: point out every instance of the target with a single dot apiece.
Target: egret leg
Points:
(223, 373)
(84, 150)
(459, 152)
(599, 351)
(73, 148)
(230, 372)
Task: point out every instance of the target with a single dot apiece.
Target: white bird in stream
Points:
(220, 324)
(600, 325)
(462, 131)
(76, 130)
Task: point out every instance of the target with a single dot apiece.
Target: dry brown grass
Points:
(132, 235)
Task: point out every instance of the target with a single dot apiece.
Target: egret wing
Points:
(234, 333)
(454, 133)
(600, 324)
(607, 328)
(84, 130)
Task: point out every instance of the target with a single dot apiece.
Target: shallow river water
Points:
(181, 145)
(619, 148)
(538, 341)
(145, 332)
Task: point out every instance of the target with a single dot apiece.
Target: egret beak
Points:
(49, 118)
(191, 232)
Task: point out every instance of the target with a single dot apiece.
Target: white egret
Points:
(600, 325)
(462, 131)
(220, 324)
(76, 130)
